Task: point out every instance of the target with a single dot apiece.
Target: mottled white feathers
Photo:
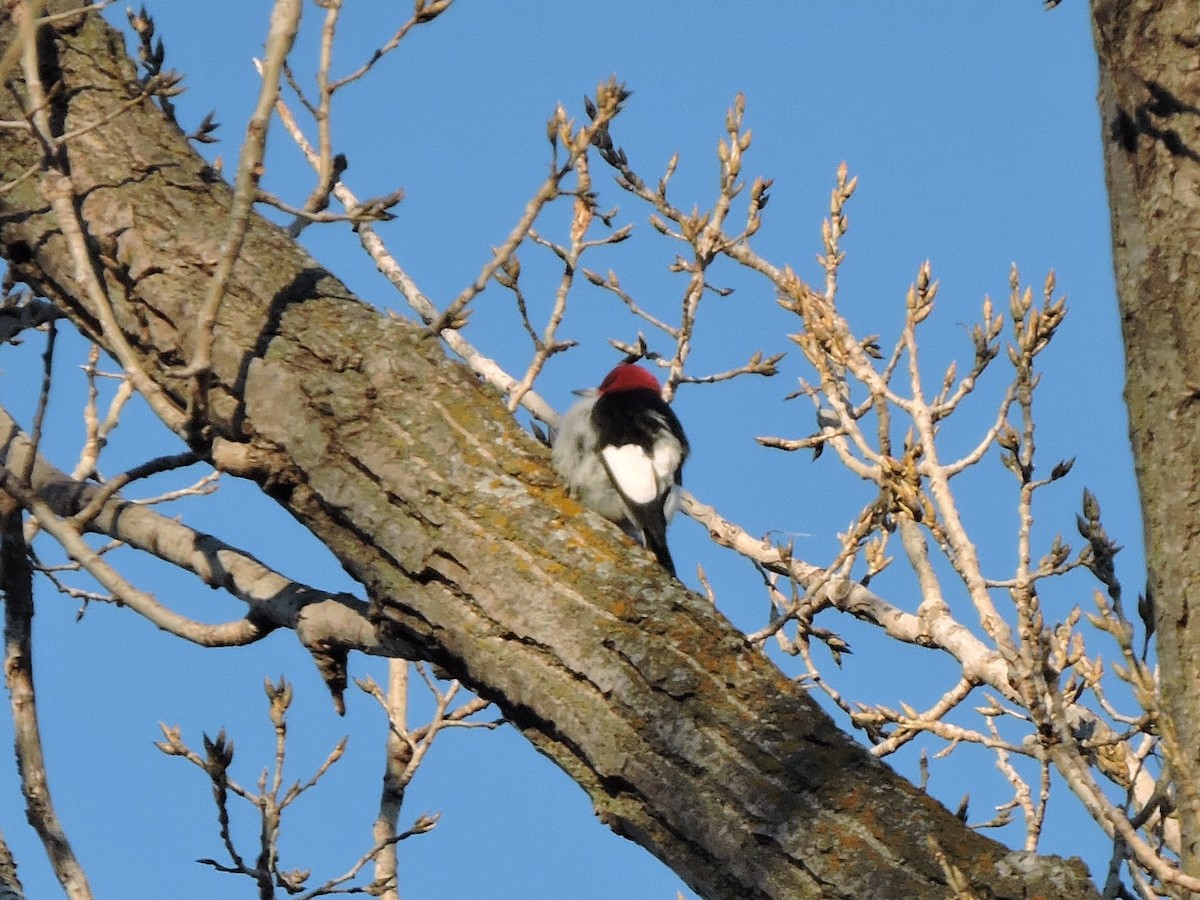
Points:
(576, 458)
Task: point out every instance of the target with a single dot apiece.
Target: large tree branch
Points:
(688, 740)
(1149, 85)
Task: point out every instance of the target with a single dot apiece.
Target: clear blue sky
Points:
(974, 132)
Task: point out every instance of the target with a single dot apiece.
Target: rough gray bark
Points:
(688, 740)
(1150, 103)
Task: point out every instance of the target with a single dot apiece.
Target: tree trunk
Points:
(1150, 103)
(688, 740)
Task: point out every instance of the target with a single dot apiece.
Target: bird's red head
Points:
(628, 377)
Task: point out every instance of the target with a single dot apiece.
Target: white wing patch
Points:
(633, 471)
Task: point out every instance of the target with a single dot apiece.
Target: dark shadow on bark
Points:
(1151, 119)
(303, 286)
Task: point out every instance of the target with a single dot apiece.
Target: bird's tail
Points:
(658, 546)
(654, 534)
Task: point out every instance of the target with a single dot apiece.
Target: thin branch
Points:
(612, 284)
(483, 366)
(231, 634)
(909, 727)
(59, 192)
(320, 619)
(270, 801)
(547, 192)
(16, 582)
(397, 753)
(97, 431)
(285, 21)
(39, 415)
(113, 485)
(425, 12)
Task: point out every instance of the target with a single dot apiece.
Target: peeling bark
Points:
(688, 740)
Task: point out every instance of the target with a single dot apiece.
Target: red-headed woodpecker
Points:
(621, 452)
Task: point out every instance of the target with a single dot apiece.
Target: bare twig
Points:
(320, 619)
(16, 582)
(231, 634)
(285, 21)
(425, 11)
(483, 366)
(271, 800)
(397, 753)
(39, 415)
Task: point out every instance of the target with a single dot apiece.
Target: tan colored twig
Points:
(391, 798)
(319, 618)
(231, 634)
(96, 430)
(16, 583)
(483, 366)
(909, 726)
(508, 275)
(269, 798)
(285, 21)
(609, 97)
(405, 751)
(59, 192)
